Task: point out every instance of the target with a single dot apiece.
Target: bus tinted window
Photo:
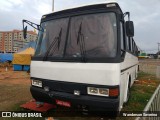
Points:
(99, 33)
(122, 38)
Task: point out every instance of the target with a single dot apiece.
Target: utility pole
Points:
(52, 5)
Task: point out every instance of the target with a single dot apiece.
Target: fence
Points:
(152, 106)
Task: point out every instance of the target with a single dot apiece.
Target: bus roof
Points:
(84, 8)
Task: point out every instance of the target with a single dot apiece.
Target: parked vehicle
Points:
(85, 57)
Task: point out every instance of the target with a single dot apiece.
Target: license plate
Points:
(63, 103)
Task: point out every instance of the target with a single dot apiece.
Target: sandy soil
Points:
(14, 88)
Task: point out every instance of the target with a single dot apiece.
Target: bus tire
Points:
(128, 94)
(128, 91)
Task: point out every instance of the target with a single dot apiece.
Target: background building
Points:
(12, 41)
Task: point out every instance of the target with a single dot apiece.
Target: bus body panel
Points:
(90, 73)
(63, 78)
(129, 69)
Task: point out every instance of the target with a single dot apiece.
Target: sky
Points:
(145, 14)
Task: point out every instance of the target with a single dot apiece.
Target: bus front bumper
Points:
(93, 103)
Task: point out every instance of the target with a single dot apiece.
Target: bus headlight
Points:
(92, 90)
(104, 91)
(37, 83)
(98, 91)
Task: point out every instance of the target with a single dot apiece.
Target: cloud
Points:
(13, 12)
(66, 4)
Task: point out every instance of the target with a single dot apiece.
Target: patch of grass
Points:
(140, 96)
(141, 92)
(146, 76)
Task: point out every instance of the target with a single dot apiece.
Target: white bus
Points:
(85, 57)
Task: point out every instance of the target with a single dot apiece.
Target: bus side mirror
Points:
(130, 28)
(25, 32)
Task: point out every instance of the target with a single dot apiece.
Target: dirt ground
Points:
(14, 88)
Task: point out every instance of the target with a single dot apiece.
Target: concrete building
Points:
(12, 41)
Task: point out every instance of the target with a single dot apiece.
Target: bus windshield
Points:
(60, 37)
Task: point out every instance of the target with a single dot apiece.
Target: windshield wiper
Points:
(56, 42)
(81, 42)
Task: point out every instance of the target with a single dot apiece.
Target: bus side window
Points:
(122, 36)
(134, 47)
(128, 45)
(131, 45)
(136, 50)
